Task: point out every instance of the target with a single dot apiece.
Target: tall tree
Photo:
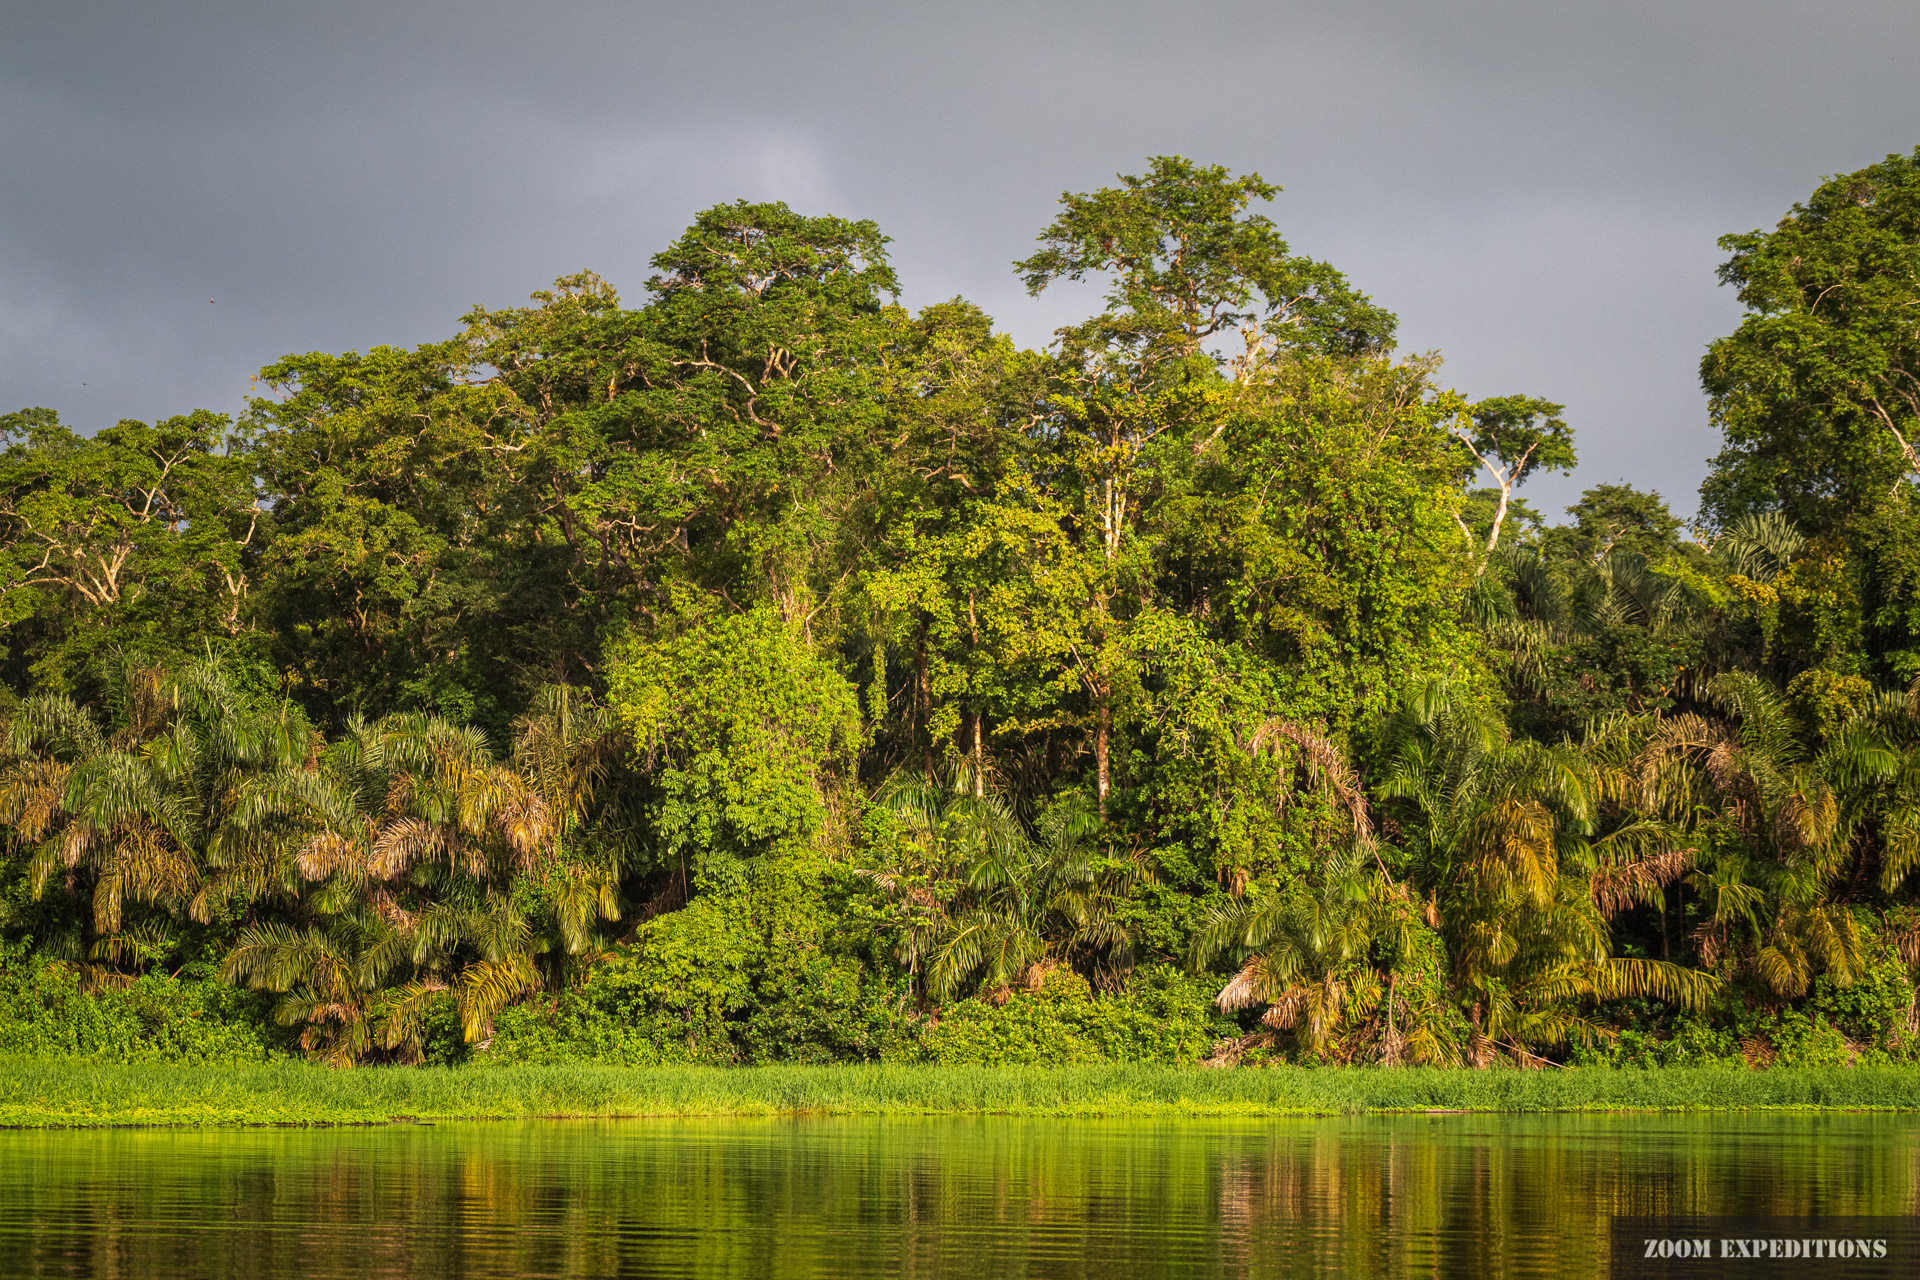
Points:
(140, 537)
(940, 559)
(1140, 393)
(401, 496)
(1512, 437)
(741, 438)
(1617, 517)
(1817, 393)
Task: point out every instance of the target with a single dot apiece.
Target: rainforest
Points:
(750, 671)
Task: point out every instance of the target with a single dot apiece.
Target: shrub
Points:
(768, 972)
(45, 1012)
(740, 720)
(1802, 1041)
(1872, 1010)
(1162, 1016)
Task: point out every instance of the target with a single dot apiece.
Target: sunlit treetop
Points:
(1187, 258)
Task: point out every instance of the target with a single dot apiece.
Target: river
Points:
(974, 1198)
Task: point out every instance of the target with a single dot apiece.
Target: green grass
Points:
(55, 1094)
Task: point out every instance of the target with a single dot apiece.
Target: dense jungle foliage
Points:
(765, 673)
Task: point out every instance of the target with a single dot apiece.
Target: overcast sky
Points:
(1535, 188)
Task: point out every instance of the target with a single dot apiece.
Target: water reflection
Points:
(977, 1198)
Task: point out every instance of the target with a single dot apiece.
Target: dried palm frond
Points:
(327, 853)
(1326, 764)
(1228, 1053)
(1618, 886)
(1905, 941)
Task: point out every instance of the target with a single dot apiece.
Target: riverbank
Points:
(42, 1094)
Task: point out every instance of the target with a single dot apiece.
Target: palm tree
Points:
(1500, 837)
(321, 975)
(1540, 604)
(1333, 961)
(945, 821)
(1031, 905)
(364, 978)
(430, 870)
(408, 791)
(1330, 957)
(127, 817)
(1899, 804)
(404, 838)
(572, 753)
(1777, 826)
(569, 749)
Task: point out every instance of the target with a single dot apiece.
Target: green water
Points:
(1450, 1195)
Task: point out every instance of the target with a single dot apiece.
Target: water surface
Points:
(979, 1198)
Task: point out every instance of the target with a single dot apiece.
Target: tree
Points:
(573, 755)
(129, 817)
(742, 729)
(1774, 827)
(810, 662)
(1188, 263)
(414, 848)
(943, 825)
(1817, 393)
(947, 554)
(1324, 537)
(737, 436)
(1616, 517)
(1139, 394)
(1500, 838)
(402, 492)
(1337, 960)
(140, 537)
(989, 599)
(1512, 437)
(470, 519)
(1587, 631)
(1030, 905)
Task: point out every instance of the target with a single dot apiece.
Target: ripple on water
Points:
(972, 1198)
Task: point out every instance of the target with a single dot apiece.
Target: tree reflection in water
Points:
(978, 1198)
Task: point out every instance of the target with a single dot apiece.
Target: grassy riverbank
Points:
(37, 1093)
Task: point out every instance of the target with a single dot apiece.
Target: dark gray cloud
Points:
(1535, 189)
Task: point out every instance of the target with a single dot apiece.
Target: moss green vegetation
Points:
(47, 1011)
(763, 673)
(34, 1093)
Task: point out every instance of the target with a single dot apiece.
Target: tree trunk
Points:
(923, 697)
(979, 748)
(1499, 518)
(1102, 732)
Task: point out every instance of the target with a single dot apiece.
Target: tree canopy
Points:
(764, 671)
